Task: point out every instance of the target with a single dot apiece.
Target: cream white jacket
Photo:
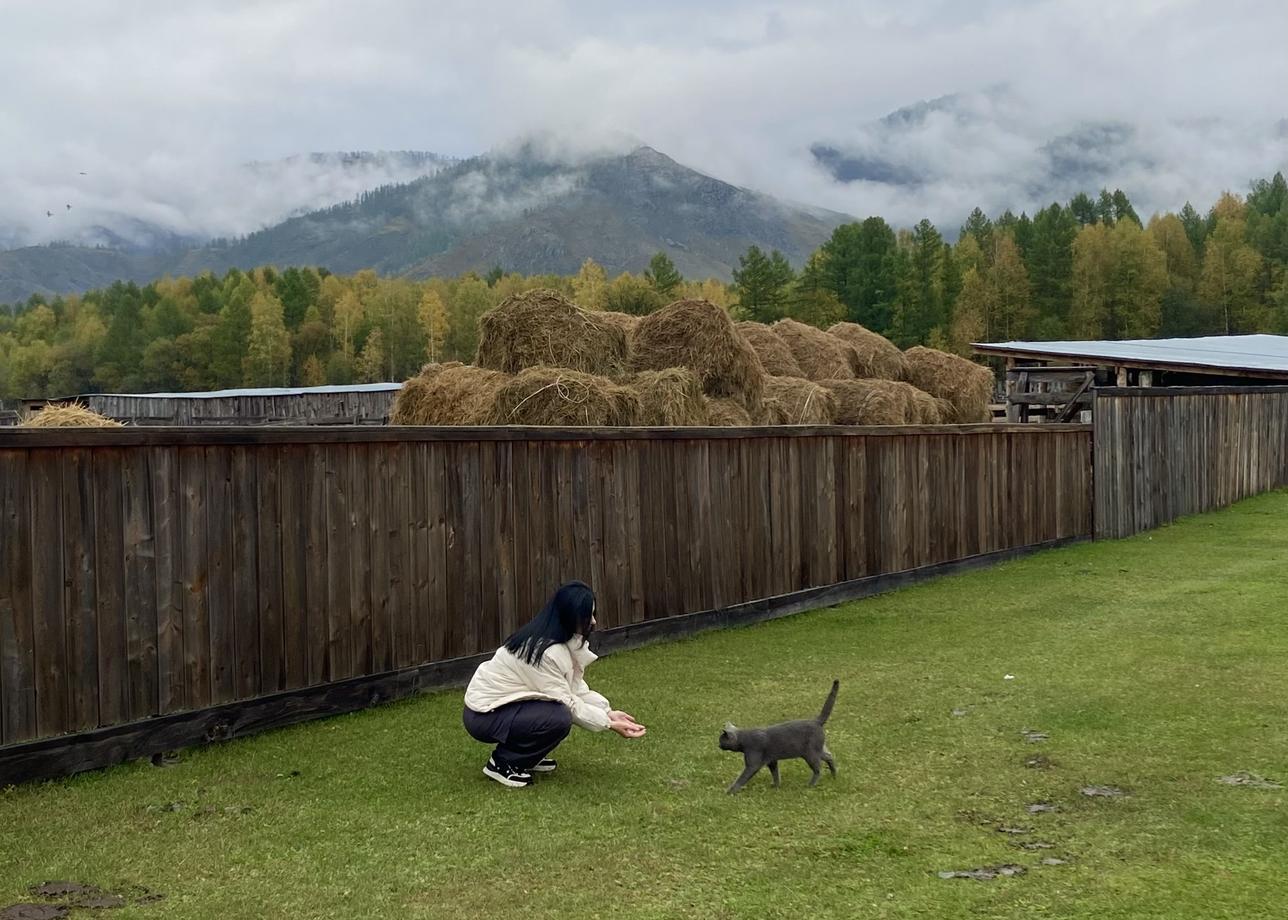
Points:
(506, 678)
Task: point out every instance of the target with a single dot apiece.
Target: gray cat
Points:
(764, 747)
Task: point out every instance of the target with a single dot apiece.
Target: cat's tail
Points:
(829, 703)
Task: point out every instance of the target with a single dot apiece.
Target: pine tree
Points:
(1083, 209)
(1195, 226)
(663, 276)
(1012, 293)
(761, 284)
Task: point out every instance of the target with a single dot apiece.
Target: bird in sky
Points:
(49, 213)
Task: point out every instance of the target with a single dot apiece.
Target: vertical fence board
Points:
(18, 721)
(142, 626)
(246, 498)
(53, 715)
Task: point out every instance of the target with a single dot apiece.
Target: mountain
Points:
(527, 210)
(999, 149)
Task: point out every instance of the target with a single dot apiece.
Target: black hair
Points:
(568, 612)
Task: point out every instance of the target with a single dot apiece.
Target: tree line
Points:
(1088, 269)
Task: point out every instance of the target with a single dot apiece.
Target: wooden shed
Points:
(1053, 380)
(358, 404)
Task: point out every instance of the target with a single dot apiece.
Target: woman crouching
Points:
(526, 698)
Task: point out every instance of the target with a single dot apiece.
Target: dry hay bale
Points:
(774, 354)
(541, 328)
(878, 356)
(965, 385)
(624, 321)
(557, 396)
(796, 401)
(727, 413)
(700, 336)
(872, 402)
(447, 394)
(929, 410)
(820, 356)
(670, 398)
(69, 415)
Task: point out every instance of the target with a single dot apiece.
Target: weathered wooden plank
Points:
(339, 566)
(219, 589)
(109, 595)
(463, 589)
(437, 616)
(18, 718)
(279, 545)
(200, 435)
(632, 517)
(490, 511)
(361, 537)
(245, 610)
(420, 565)
(693, 498)
(47, 593)
(141, 620)
(194, 576)
(401, 517)
(318, 587)
(81, 605)
(383, 539)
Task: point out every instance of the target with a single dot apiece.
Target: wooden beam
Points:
(208, 436)
(1051, 398)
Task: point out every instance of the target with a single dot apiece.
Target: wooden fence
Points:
(147, 572)
(1167, 452)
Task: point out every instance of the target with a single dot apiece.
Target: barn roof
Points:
(1230, 355)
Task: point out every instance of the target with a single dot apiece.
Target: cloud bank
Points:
(159, 103)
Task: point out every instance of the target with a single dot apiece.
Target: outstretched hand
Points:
(624, 724)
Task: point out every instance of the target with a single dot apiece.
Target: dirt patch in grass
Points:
(1039, 762)
(986, 873)
(1104, 792)
(1249, 779)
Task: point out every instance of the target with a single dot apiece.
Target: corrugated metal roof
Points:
(260, 391)
(1248, 353)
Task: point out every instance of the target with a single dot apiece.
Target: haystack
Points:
(71, 415)
(795, 401)
(727, 413)
(929, 410)
(447, 394)
(671, 398)
(820, 356)
(559, 396)
(625, 321)
(543, 329)
(774, 355)
(965, 385)
(878, 356)
(872, 402)
(700, 336)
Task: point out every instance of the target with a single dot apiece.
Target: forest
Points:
(1087, 269)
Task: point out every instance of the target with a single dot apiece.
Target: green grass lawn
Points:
(1155, 665)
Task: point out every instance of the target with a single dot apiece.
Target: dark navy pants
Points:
(523, 732)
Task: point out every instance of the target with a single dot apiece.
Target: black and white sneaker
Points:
(546, 765)
(507, 776)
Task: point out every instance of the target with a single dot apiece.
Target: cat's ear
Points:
(729, 727)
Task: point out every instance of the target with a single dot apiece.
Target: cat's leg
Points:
(773, 771)
(748, 772)
(813, 760)
(829, 760)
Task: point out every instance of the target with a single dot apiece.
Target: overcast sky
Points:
(157, 101)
